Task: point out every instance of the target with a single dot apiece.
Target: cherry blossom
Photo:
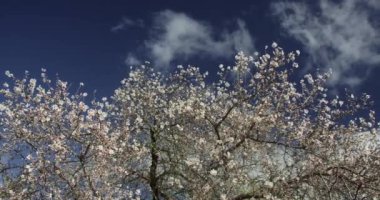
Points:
(250, 133)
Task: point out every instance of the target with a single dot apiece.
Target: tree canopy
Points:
(252, 133)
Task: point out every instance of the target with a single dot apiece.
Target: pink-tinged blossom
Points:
(251, 133)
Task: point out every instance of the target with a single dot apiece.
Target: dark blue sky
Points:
(94, 41)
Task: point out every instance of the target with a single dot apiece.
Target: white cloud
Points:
(132, 60)
(341, 36)
(178, 36)
(374, 3)
(127, 22)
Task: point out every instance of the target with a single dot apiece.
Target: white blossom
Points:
(250, 132)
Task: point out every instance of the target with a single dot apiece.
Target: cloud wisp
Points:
(127, 22)
(176, 35)
(340, 36)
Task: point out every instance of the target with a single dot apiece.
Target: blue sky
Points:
(95, 41)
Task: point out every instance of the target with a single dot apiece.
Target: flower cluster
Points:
(251, 133)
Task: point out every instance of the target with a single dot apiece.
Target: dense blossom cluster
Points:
(250, 134)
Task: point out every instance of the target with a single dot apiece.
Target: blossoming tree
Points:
(252, 133)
